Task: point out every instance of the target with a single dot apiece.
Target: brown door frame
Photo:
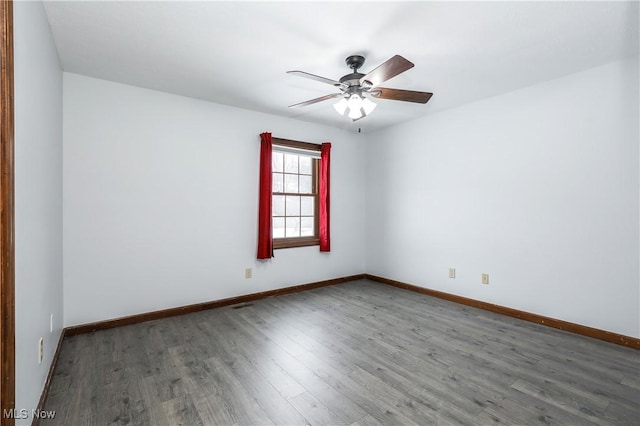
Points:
(7, 212)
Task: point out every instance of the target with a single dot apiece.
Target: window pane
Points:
(305, 165)
(278, 182)
(277, 207)
(290, 163)
(291, 183)
(306, 227)
(293, 216)
(306, 206)
(305, 184)
(278, 227)
(293, 205)
(293, 227)
(277, 162)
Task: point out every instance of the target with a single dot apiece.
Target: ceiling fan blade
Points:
(387, 70)
(401, 95)
(316, 100)
(315, 77)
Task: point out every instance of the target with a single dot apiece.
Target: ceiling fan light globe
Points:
(368, 106)
(341, 106)
(354, 114)
(355, 102)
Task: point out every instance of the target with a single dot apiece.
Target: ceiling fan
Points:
(356, 88)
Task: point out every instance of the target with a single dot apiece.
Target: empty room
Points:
(320, 213)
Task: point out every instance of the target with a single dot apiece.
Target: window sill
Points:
(282, 243)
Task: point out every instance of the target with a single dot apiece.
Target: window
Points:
(294, 193)
(294, 205)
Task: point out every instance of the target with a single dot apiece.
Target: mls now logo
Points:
(23, 413)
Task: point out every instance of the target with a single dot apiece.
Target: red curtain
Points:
(265, 238)
(324, 187)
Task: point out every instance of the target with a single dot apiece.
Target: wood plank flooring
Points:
(360, 353)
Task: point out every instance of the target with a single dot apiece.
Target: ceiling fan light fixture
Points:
(354, 107)
(368, 106)
(355, 102)
(341, 106)
(354, 114)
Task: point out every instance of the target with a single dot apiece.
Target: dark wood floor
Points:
(357, 353)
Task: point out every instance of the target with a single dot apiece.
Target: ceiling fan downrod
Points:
(353, 80)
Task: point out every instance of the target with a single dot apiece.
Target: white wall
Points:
(160, 202)
(38, 199)
(538, 188)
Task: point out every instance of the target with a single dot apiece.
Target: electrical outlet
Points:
(40, 350)
(452, 272)
(485, 278)
(247, 273)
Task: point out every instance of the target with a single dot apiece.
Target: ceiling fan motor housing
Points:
(353, 80)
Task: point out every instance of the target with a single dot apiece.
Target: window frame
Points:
(291, 242)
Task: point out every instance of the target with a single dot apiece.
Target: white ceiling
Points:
(237, 53)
